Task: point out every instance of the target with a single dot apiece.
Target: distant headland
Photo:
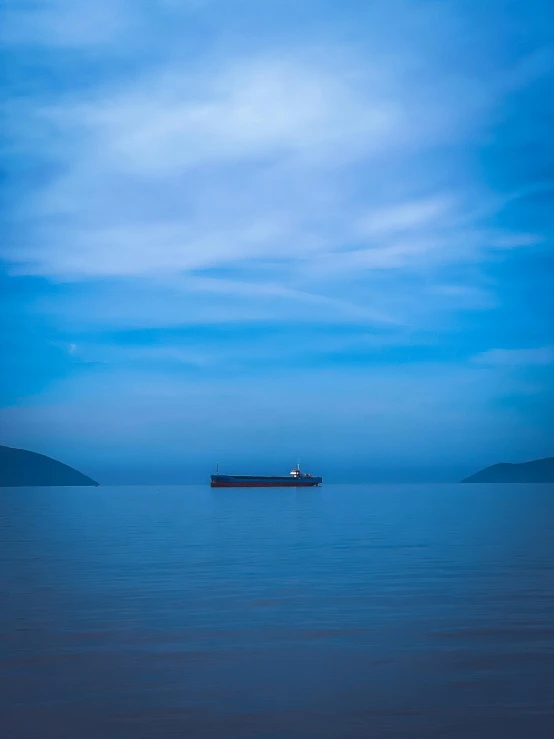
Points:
(20, 468)
(540, 470)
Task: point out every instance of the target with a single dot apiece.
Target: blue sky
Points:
(250, 231)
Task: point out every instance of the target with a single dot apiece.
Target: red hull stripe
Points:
(263, 484)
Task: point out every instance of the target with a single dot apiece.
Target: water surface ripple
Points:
(346, 611)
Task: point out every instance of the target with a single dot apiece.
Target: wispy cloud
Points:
(408, 216)
(540, 356)
(253, 157)
(64, 24)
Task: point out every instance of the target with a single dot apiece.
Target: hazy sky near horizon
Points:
(246, 230)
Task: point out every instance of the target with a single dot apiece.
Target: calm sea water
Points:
(346, 611)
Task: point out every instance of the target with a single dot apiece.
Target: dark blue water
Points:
(345, 611)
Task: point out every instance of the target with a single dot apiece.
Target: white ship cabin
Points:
(296, 472)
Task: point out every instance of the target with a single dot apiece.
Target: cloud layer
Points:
(324, 177)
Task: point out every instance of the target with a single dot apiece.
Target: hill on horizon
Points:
(21, 468)
(537, 471)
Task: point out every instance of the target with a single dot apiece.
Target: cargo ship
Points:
(296, 479)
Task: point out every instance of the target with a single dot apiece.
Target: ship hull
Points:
(230, 481)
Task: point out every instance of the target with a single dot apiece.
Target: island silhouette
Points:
(21, 468)
(539, 470)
